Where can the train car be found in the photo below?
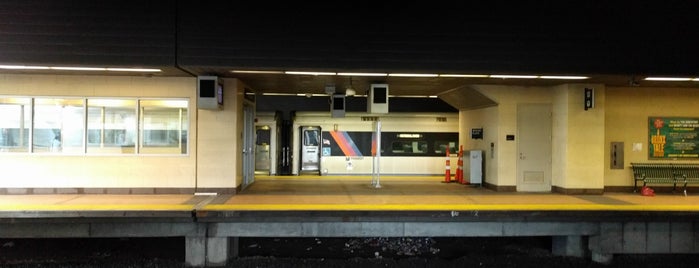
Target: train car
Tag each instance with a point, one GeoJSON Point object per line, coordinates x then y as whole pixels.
{"type": "Point", "coordinates": [411, 143]}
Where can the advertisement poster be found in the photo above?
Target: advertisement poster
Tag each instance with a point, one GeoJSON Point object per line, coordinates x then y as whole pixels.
{"type": "Point", "coordinates": [673, 137]}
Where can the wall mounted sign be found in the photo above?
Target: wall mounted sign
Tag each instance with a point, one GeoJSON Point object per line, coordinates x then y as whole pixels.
{"type": "Point", "coordinates": [673, 137]}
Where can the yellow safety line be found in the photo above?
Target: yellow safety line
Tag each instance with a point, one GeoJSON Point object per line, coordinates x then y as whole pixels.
{"type": "Point", "coordinates": [96, 207]}
{"type": "Point", "coordinates": [449, 207]}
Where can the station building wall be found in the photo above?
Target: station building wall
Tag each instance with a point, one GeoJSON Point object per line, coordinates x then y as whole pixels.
{"type": "Point", "coordinates": [577, 135]}
{"type": "Point", "coordinates": [626, 120]}
{"type": "Point", "coordinates": [210, 163]}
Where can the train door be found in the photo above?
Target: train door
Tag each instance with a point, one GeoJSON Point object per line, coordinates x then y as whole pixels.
{"type": "Point", "coordinates": [263, 141]}
{"type": "Point", "coordinates": [310, 148]}
{"type": "Point", "coordinates": [534, 148]}
{"type": "Point", "coordinates": [248, 144]}
{"type": "Point", "coordinates": [284, 154]}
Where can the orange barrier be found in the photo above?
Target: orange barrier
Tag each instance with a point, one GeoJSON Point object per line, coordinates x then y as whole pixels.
{"type": "Point", "coordinates": [447, 173]}
{"type": "Point", "coordinates": [460, 166]}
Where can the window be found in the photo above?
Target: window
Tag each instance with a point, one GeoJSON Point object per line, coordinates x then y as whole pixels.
{"type": "Point", "coordinates": [58, 125]}
{"type": "Point", "coordinates": [440, 147]}
{"type": "Point", "coordinates": [93, 126]}
{"type": "Point", "coordinates": [15, 121]}
{"type": "Point", "coordinates": [409, 147]}
{"type": "Point", "coordinates": [164, 126]}
{"type": "Point", "coordinates": [111, 126]}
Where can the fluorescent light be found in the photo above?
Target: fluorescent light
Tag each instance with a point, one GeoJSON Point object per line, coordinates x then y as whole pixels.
{"type": "Point", "coordinates": [464, 75]}
{"type": "Point", "coordinates": [695, 79]}
{"type": "Point", "coordinates": [568, 77]}
{"type": "Point", "coordinates": [668, 79]}
{"type": "Point", "coordinates": [363, 74]}
{"type": "Point", "coordinates": [513, 76]}
{"type": "Point", "coordinates": [256, 72]}
{"type": "Point", "coordinates": [78, 68]}
{"type": "Point", "coordinates": [309, 73]}
{"type": "Point", "coordinates": [22, 67]}
{"type": "Point", "coordinates": [409, 135]}
{"type": "Point", "coordinates": [413, 75]}
{"type": "Point", "coordinates": [143, 70]}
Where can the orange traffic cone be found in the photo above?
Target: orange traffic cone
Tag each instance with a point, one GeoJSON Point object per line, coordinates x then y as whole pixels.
{"type": "Point", "coordinates": [447, 173]}
{"type": "Point", "coordinates": [460, 166]}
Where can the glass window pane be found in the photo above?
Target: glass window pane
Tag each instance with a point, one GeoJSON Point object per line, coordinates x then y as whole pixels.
{"type": "Point", "coordinates": [440, 147]}
{"type": "Point", "coordinates": [409, 147]}
{"type": "Point", "coordinates": [15, 120]}
{"type": "Point", "coordinates": [58, 125]}
{"type": "Point", "coordinates": [111, 126]}
{"type": "Point", "coordinates": [165, 125]}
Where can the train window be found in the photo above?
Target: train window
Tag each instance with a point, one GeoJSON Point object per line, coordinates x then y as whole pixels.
{"type": "Point", "coordinates": [111, 126]}
{"type": "Point", "coordinates": [311, 137]}
{"type": "Point", "coordinates": [164, 126]}
{"type": "Point", "coordinates": [58, 125]}
{"type": "Point", "coordinates": [409, 147]}
{"type": "Point", "coordinates": [15, 120]}
{"type": "Point", "coordinates": [440, 147]}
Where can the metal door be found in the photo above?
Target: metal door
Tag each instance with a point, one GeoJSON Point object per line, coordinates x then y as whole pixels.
{"type": "Point", "coordinates": [534, 148]}
{"type": "Point", "coordinates": [248, 144]}
{"type": "Point", "coordinates": [310, 149]}
{"type": "Point", "coordinates": [263, 140]}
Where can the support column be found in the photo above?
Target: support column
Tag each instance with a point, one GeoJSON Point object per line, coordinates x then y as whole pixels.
{"type": "Point", "coordinates": [571, 246]}
{"type": "Point", "coordinates": [602, 258]}
{"type": "Point", "coordinates": [195, 251]}
{"type": "Point", "coordinates": [217, 249]}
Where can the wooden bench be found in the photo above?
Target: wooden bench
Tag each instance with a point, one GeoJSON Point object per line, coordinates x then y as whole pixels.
{"type": "Point", "coordinates": [665, 173]}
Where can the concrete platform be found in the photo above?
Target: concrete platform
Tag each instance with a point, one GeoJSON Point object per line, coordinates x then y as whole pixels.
{"type": "Point", "coordinates": [581, 225]}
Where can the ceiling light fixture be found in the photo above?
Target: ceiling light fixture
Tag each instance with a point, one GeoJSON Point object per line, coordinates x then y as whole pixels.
{"type": "Point", "coordinates": [309, 73]}
{"type": "Point", "coordinates": [567, 77]}
{"type": "Point", "coordinates": [675, 79]}
{"type": "Point", "coordinates": [142, 70]}
{"type": "Point", "coordinates": [464, 75]}
{"type": "Point", "coordinates": [412, 75]}
{"type": "Point", "coordinates": [22, 67]}
{"type": "Point", "coordinates": [513, 76]}
{"type": "Point", "coordinates": [256, 72]}
{"type": "Point", "coordinates": [362, 74]}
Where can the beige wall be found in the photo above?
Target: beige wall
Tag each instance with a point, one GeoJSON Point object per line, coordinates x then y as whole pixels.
{"type": "Point", "coordinates": [24, 170]}
{"type": "Point", "coordinates": [577, 157]}
{"type": "Point", "coordinates": [626, 120]}
{"type": "Point", "coordinates": [577, 135]}
{"type": "Point", "coordinates": [507, 97]}
{"type": "Point", "coordinates": [486, 118]}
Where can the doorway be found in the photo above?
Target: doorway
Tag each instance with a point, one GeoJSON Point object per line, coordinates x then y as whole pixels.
{"type": "Point", "coordinates": [248, 144]}
{"type": "Point", "coordinates": [534, 148]}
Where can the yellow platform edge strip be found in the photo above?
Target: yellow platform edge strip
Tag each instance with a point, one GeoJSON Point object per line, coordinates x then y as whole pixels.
{"type": "Point", "coordinates": [96, 207]}
{"type": "Point", "coordinates": [439, 207]}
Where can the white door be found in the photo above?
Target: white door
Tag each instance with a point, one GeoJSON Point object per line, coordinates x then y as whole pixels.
{"type": "Point", "coordinates": [534, 148]}
{"type": "Point", "coordinates": [248, 144]}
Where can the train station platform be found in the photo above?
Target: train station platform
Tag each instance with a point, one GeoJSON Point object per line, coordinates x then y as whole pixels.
{"type": "Point", "coordinates": [324, 206]}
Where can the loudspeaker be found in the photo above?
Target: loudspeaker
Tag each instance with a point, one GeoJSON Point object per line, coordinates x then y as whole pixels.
{"type": "Point", "coordinates": [209, 93]}
{"type": "Point", "coordinates": [337, 105]}
{"type": "Point", "coordinates": [377, 99]}
{"type": "Point", "coordinates": [589, 98]}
